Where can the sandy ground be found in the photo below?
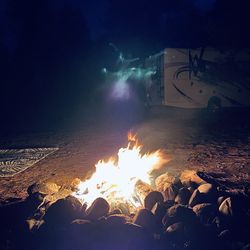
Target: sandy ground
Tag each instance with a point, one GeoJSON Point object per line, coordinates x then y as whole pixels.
{"type": "Point", "coordinates": [192, 141]}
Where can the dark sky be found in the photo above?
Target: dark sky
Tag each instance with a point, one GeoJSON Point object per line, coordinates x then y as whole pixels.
{"type": "Point", "coordinates": [52, 50]}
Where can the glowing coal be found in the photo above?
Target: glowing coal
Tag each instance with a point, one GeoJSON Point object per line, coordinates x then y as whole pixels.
{"type": "Point", "coordinates": [116, 179]}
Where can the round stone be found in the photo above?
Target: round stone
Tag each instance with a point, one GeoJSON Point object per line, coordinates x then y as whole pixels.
{"type": "Point", "coordinates": [100, 207]}
{"type": "Point", "coordinates": [152, 198]}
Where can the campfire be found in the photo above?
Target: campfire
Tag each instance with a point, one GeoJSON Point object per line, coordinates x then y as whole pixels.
{"type": "Point", "coordinates": [129, 202]}
{"type": "Point", "coordinates": [125, 179]}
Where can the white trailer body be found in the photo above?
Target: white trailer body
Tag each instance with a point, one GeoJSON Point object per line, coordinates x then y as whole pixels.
{"type": "Point", "coordinates": [193, 78]}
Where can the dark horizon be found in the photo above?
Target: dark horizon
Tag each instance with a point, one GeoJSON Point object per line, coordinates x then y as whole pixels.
{"type": "Point", "coordinates": [52, 52]}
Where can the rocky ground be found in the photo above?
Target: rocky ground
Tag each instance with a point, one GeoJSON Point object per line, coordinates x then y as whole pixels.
{"type": "Point", "coordinates": [191, 139]}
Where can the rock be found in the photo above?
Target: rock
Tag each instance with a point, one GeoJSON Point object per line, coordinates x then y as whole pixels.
{"type": "Point", "coordinates": [183, 196]}
{"type": "Point", "coordinates": [205, 193]}
{"type": "Point", "coordinates": [182, 235]}
{"type": "Point", "coordinates": [116, 211]}
{"type": "Point", "coordinates": [75, 184]}
{"type": "Point", "coordinates": [191, 189]}
{"type": "Point", "coordinates": [206, 212]}
{"type": "Point", "coordinates": [168, 203]}
{"type": "Point", "coordinates": [234, 215]}
{"type": "Point", "coordinates": [177, 183]}
{"type": "Point", "coordinates": [225, 235]}
{"type": "Point", "coordinates": [178, 226]}
{"type": "Point", "coordinates": [116, 219]}
{"type": "Point", "coordinates": [178, 213]}
{"type": "Point", "coordinates": [220, 200]}
{"type": "Point", "coordinates": [63, 212]}
{"type": "Point", "coordinates": [146, 219]}
{"type": "Point", "coordinates": [176, 233]}
{"type": "Point", "coordinates": [98, 208]}
{"type": "Point", "coordinates": [34, 225]}
{"type": "Point", "coordinates": [36, 199]}
{"type": "Point", "coordinates": [159, 210]}
{"type": "Point", "coordinates": [170, 192]}
{"type": "Point", "coordinates": [226, 208]}
{"type": "Point", "coordinates": [196, 198]}
{"type": "Point", "coordinates": [163, 181]}
{"type": "Point", "coordinates": [13, 216]}
{"type": "Point", "coordinates": [226, 238]}
{"type": "Point", "coordinates": [207, 188]}
{"type": "Point", "coordinates": [136, 238]}
{"type": "Point", "coordinates": [152, 198]}
{"type": "Point", "coordinates": [47, 188]}
{"type": "Point", "coordinates": [81, 222]}
{"type": "Point", "coordinates": [81, 233]}
{"type": "Point", "coordinates": [123, 208]}
{"type": "Point", "coordinates": [188, 177]}
{"type": "Point", "coordinates": [142, 189]}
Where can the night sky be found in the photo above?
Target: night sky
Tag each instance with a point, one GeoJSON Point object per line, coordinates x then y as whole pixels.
{"type": "Point", "coordinates": [52, 51]}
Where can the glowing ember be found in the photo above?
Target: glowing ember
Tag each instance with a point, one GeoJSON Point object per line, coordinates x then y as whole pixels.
{"type": "Point", "coordinates": [115, 180]}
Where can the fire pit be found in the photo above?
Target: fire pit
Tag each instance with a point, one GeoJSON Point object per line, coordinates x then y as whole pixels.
{"type": "Point", "coordinates": [129, 203]}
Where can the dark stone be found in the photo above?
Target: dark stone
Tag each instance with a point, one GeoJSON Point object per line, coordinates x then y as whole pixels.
{"type": "Point", "coordinates": [159, 210]}
{"type": "Point", "coordinates": [206, 212]}
{"type": "Point", "coordinates": [98, 208]}
{"type": "Point", "coordinates": [177, 182]}
{"type": "Point", "coordinates": [183, 196]}
{"type": "Point", "coordinates": [33, 224]}
{"type": "Point", "coordinates": [207, 188]}
{"type": "Point", "coordinates": [146, 219]}
{"type": "Point", "coordinates": [152, 198]}
{"type": "Point", "coordinates": [170, 192]}
{"type": "Point", "coordinates": [220, 200]}
{"type": "Point", "coordinates": [234, 215]}
{"type": "Point", "coordinates": [178, 213]}
{"type": "Point", "coordinates": [175, 233]}
{"type": "Point", "coordinates": [226, 238]}
{"type": "Point", "coordinates": [205, 193]}
{"type": "Point", "coordinates": [226, 208]}
{"type": "Point", "coordinates": [13, 216]}
{"type": "Point", "coordinates": [196, 198]}
{"type": "Point", "coordinates": [81, 222]}
{"type": "Point", "coordinates": [137, 238]}
{"type": "Point", "coordinates": [225, 235]}
{"type": "Point", "coordinates": [48, 188]}
{"type": "Point", "coordinates": [190, 178]}
{"type": "Point", "coordinates": [116, 211]}
{"type": "Point", "coordinates": [116, 219]}
{"type": "Point", "coordinates": [184, 235]}
{"type": "Point", "coordinates": [63, 212]}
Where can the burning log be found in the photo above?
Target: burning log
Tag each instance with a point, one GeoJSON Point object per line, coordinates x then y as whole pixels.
{"type": "Point", "coordinates": [142, 189]}
{"type": "Point", "coordinates": [163, 181]}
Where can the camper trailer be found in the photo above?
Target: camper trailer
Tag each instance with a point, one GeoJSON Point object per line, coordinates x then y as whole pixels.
{"type": "Point", "coordinates": [199, 78]}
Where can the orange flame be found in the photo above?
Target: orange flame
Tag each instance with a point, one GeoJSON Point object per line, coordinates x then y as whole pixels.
{"type": "Point", "coordinates": [115, 179]}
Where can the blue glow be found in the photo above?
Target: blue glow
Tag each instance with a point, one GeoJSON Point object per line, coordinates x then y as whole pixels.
{"type": "Point", "coordinates": [120, 90]}
{"type": "Point", "coordinates": [127, 76]}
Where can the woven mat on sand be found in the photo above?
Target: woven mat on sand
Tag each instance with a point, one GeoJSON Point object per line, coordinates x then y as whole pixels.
{"type": "Point", "coordinates": [14, 161]}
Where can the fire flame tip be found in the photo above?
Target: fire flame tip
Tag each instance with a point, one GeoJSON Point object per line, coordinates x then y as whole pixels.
{"type": "Point", "coordinates": [131, 136]}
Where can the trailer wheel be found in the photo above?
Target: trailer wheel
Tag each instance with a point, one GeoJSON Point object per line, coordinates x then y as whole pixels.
{"type": "Point", "coordinates": [214, 105]}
